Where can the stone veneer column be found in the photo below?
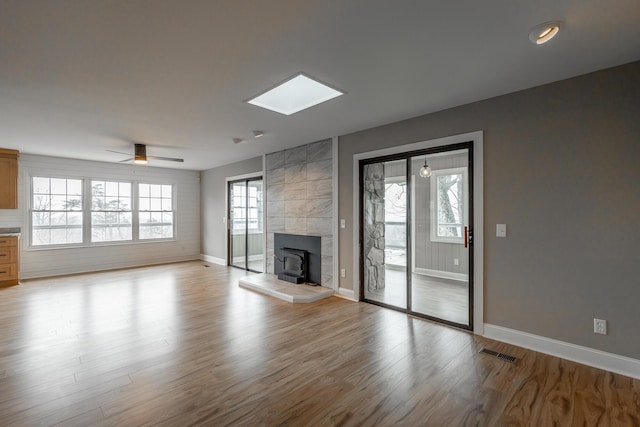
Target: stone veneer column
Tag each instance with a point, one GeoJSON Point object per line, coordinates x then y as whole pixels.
{"type": "Point", "coordinates": [373, 229]}
{"type": "Point", "coordinates": [299, 188]}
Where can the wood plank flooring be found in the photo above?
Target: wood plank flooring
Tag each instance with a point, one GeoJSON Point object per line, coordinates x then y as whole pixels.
{"type": "Point", "coordinates": [182, 345]}
{"type": "Point", "coordinates": [441, 298]}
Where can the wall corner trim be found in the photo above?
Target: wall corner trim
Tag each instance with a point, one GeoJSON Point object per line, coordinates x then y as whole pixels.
{"type": "Point", "coordinates": [212, 259]}
{"type": "Point", "coordinates": [576, 353]}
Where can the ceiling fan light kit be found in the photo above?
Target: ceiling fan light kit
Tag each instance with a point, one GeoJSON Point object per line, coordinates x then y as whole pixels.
{"type": "Point", "coordinates": [140, 154]}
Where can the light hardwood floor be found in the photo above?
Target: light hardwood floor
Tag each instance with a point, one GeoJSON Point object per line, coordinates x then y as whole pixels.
{"type": "Point", "coordinates": [442, 298]}
{"type": "Point", "coordinates": [182, 344]}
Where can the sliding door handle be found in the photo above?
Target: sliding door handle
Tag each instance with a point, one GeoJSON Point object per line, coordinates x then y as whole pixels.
{"type": "Point", "coordinates": [466, 236]}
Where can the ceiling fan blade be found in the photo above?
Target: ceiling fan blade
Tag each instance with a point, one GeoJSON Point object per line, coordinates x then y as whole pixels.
{"type": "Point", "coordinates": [168, 159]}
{"type": "Point", "coordinates": [119, 152]}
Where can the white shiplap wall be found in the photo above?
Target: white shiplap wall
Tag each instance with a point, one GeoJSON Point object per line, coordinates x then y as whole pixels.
{"type": "Point", "coordinates": [51, 262]}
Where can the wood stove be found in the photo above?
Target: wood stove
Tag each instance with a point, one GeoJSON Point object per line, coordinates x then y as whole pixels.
{"type": "Point", "coordinates": [296, 266]}
{"type": "Point", "coordinates": [297, 258]}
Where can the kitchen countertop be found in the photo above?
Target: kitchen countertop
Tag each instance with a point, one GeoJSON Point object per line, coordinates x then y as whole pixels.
{"type": "Point", "coordinates": [8, 232]}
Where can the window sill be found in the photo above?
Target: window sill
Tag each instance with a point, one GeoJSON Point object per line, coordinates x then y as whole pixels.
{"type": "Point", "coordinates": [96, 245]}
{"type": "Point", "coordinates": [452, 242]}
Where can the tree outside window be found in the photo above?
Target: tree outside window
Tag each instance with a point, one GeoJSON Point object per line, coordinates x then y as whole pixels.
{"type": "Point", "coordinates": [60, 215]}
{"type": "Point", "coordinates": [448, 215]}
{"type": "Point", "coordinates": [56, 211]}
{"type": "Point", "coordinates": [110, 211]}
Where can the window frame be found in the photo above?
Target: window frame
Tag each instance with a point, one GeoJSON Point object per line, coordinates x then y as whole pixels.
{"type": "Point", "coordinates": [434, 204]}
{"type": "Point", "coordinates": [245, 222]}
{"type": "Point", "coordinates": [138, 211]}
{"type": "Point", "coordinates": [86, 211]}
{"type": "Point", "coordinates": [105, 211]}
{"type": "Point", "coordinates": [31, 211]}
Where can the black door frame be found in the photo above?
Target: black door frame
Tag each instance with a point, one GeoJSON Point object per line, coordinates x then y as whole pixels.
{"type": "Point", "coordinates": [407, 156]}
{"type": "Point", "coordinates": [246, 228]}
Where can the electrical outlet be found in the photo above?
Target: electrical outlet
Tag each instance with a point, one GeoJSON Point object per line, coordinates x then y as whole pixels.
{"type": "Point", "coordinates": [599, 326]}
{"type": "Point", "coordinates": [343, 223]}
{"type": "Point", "coordinates": [343, 272]}
{"type": "Point", "coordinates": [456, 261]}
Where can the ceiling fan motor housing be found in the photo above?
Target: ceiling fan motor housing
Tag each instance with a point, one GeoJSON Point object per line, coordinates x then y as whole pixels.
{"type": "Point", "coordinates": [140, 153]}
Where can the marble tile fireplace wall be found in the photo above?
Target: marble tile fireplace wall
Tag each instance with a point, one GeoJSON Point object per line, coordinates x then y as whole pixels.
{"type": "Point", "coordinates": [299, 183]}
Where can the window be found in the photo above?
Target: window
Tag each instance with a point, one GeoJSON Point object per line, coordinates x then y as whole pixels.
{"type": "Point", "coordinates": [110, 211]}
{"type": "Point", "coordinates": [155, 206]}
{"type": "Point", "coordinates": [448, 200]}
{"type": "Point", "coordinates": [395, 213]}
{"type": "Point", "coordinates": [56, 211]}
{"type": "Point", "coordinates": [252, 203]}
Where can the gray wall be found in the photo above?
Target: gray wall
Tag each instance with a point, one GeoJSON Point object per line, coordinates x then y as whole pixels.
{"type": "Point", "coordinates": [561, 169]}
{"type": "Point", "coordinates": [299, 187]}
{"type": "Point", "coordinates": [213, 187]}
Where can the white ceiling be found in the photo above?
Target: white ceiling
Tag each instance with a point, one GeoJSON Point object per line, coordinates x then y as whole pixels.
{"type": "Point", "coordinates": [78, 77]}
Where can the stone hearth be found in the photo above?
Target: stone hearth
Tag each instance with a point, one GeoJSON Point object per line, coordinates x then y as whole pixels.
{"type": "Point", "coordinates": [269, 284]}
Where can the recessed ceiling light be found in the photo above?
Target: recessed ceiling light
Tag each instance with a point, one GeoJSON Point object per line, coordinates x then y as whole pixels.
{"type": "Point", "coordinates": [237, 140]}
{"type": "Point", "coordinates": [544, 32]}
{"type": "Point", "coordinates": [295, 94]}
{"type": "Point", "coordinates": [258, 133]}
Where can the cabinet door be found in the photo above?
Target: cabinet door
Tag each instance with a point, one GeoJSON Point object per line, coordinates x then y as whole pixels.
{"type": "Point", "coordinates": [8, 183]}
{"type": "Point", "coordinates": [8, 274]}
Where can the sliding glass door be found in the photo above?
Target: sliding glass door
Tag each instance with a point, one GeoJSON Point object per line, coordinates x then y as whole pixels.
{"type": "Point", "coordinates": [416, 233]}
{"type": "Point", "coordinates": [245, 225]}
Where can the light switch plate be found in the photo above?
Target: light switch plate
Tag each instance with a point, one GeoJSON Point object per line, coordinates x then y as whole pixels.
{"type": "Point", "coordinates": [501, 230]}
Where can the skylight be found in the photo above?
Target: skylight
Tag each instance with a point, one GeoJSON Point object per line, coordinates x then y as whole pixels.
{"type": "Point", "coordinates": [295, 94]}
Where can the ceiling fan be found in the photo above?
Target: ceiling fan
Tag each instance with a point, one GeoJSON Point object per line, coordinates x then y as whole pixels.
{"type": "Point", "coordinates": [140, 156]}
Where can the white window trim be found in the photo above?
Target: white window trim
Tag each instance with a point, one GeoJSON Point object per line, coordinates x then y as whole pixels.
{"type": "Point", "coordinates": [259, 222]}
{"type": "Point", "coordinates": [433, 203]}
{"type": "Point", "coordinates": [31, 210]}
{"type": "Point", "coordinates": [86, 212]}
{"type": "Point", "coordinates": [136, 221]}
{"type": "Point", "coordinates": [131, 210]}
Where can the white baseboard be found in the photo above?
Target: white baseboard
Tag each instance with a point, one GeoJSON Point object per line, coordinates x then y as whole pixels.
{"type": "Point", "coordinates": [576, 353]}
{"type": "Point", "coordinates": [346, 294]}
{"type": "Point", "coordinates": [212, 259]}
{"type": "Point", "coordinates": [97, 268]}
{"type": "Point", "coordinates": [442, 274]}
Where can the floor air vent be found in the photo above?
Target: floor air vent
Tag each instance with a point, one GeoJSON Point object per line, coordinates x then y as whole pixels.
{"type": "Point", "coordinates": [502, 356]}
